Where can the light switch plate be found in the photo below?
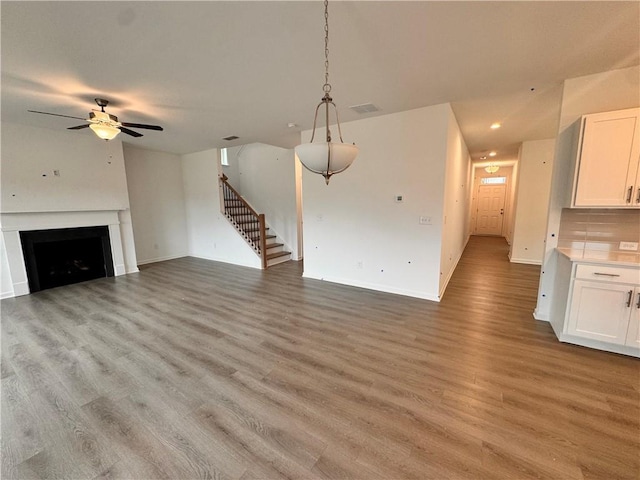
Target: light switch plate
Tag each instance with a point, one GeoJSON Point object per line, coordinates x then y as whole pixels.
{"type": "Point", "coordinates": [629, 246]}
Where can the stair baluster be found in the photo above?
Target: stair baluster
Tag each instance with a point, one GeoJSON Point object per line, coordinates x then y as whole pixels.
{"type": "Point", "coordinates": [249, 223]}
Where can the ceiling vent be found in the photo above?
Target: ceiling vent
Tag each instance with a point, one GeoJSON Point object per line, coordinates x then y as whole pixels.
{"type": "Point", "coordinates": [230, 137]}
{"type": "Point", "coordinates": [364, 108]}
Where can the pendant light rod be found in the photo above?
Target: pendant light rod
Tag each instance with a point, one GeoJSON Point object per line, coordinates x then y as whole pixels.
{"type": "Point", "coordinates": [327, 86]}
{"type": "Point", "coordinates": [327, 158]}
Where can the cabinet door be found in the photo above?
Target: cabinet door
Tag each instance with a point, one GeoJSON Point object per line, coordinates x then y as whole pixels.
{"type": "Point", "coordinates": [608, 160]}
{"type": "Point", "coordinates": [600, 311]}
{"type": "Point", "coordinates": [633, 334]}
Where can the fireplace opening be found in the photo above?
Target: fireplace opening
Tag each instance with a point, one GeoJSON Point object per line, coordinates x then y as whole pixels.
{"type": "Point", "coordinates": [58, 257]}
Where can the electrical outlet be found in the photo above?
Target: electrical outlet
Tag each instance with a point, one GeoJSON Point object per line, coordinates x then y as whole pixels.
{"type": "Point", "coordinates": [424, 220]}
{"type": "Point", "coordinates": [629, 246]}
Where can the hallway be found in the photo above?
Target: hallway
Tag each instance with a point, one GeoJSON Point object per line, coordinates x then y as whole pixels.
{"type": "Point", "coordinates": [198, 369]}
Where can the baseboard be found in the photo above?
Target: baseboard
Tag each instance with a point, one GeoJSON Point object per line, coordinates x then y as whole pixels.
{"type": "Point", "coordinates": [21, 288]}
{"type": "Point", "coordinates": [376, 287]}
{"type": "Point", "coordinates": [161, 259]}
{"type": "Point", "coordinates": [222, 260]}
{"type": "Point", "coordinates": [544, 317]}
{"type": "Point", "coordinates": [525, 261]}
{"type": "Point", "coordinates": [8, 294]}
{"type": "Point", "coordinates": [596, 344]}
{"type": "Point", "coordinates": [450, 274]}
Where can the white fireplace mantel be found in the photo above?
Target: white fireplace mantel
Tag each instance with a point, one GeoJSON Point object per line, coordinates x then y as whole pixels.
{"type": "Point", "coordinates": [15, 282]}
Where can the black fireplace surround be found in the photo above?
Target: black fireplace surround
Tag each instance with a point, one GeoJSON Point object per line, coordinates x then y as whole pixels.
{"type": "Point", "coordinates": [66, 255]}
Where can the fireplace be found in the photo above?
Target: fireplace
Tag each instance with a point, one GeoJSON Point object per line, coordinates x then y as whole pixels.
{"type": "Point", "coordinates": [63, 256]}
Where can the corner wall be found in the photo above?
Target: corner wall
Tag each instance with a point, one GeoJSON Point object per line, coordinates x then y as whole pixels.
{"type": "Point", "coordinates": [534, 168]}
{"type": "Point", "coordinates": [156, 194]}
{"type": "Point", "coordinates": [455, 228]}
{"type": "Point", "coordinates": [355, 232]}
{"type": "Point", "coordinates": [209, 233]}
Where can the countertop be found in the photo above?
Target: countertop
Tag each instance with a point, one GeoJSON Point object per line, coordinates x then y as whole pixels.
{"type": "Point", "coordinates": [628, 259]}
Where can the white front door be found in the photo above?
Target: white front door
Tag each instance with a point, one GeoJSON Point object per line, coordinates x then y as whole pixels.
{"type": "Point", "coordinates": [490, 209]}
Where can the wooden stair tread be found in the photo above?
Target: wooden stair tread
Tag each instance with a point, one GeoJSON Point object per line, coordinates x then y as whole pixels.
{"type": "Point", "coordinates": [276, 255]}
{"type": "Point", "coordinates": [274, 245]}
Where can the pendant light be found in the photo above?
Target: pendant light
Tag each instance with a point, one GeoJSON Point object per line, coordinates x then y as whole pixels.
{"type": "Point", "coordinates": [491, 168]}
{"type": "Point", "coordinates": [326, 158]}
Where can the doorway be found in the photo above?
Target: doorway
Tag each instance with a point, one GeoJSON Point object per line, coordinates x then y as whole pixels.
{"type": "Point", "coordinates": [490, 213]}
{"type": "Point", "coordinates": [493, 215]}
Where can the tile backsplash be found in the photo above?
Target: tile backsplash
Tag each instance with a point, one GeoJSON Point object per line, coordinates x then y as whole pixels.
{"type": "Point", "coordinates": [598, 229]}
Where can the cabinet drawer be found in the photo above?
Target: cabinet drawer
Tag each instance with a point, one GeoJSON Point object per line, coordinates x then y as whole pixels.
{"type": "Point", "coordinates": [607, 273]}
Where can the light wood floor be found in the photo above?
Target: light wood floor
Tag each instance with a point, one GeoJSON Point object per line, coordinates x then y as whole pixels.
{"type": "Point", "coordinates": [196, 369]}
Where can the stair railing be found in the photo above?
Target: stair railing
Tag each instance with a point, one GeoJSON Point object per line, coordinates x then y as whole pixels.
{"type": "Point", "coordinates": [249, 223]}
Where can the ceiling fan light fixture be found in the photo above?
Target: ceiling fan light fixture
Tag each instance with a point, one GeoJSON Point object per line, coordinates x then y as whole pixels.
{"type": "Point", "coordinates": [105, 132]}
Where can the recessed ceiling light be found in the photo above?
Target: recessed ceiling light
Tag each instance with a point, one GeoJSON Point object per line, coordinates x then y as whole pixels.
{"type": "Point", "coordinates": [492, 154]}
{"type": "Point", "coordinates": [292, 125]}
{"type": "Point", "coordinates": [483, 157]}
{"type": "Point", "coordinates": [495, 126]}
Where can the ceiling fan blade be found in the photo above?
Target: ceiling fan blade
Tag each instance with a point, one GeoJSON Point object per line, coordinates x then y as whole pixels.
{"type": "Point", "coordinates": [79, 127]}
{"type": "Point", "coordinates": [130, 132]}
{"type": "Point", "coordinates": [56, 114]}
{"type": "Point", "coordinates": [142, 125]}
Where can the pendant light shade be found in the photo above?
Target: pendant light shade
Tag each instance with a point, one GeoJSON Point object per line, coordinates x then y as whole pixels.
{"type": "Point", "coordinates": [105, 132]}
{"type": "Point", "coordinates": [326, 158]}
{"type": "Point", "coordinates": [491, 168]}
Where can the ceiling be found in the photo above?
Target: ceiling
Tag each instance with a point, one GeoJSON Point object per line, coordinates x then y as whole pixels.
{"type": "Point", "coordinates": [207, 70]}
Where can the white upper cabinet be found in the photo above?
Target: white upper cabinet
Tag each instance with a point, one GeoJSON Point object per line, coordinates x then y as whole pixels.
{"type": "Point", "coordinates": [607, 165]}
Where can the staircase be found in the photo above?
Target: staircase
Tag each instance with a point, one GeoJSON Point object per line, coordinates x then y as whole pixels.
{"type": "Point", "coordinates": [252, 227]}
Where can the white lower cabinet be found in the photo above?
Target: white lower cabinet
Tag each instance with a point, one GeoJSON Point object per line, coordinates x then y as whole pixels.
{"type": "Point", "coordinates": [601, 311]}
{"type": "Point", "coordinates": [633, 333]}
{"type": "Point", "coordinates": [597, 306]}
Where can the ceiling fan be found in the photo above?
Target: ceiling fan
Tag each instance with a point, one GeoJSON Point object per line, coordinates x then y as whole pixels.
{"type": "Point", "coordinates": [105, 125]}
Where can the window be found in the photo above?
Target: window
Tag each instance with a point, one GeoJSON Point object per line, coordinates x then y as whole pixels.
{"type": "Point", "coordinates": [493, 180]}
{"type": "Point", "coordinates": [224, 159]}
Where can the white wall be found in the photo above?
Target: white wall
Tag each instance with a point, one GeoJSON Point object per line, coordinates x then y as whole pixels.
{"type": "Point", "coordinates": [535, 168]}
{"type": "Point", "coordinates": [354, 231]}
{"type": "Point", "coordinates": [511, 203]}
{"type": "Point", "coordinates": [156, 194]}
{"type": "Point", "coordinates": [457, 188]}
{"type": "Point", "coordinates": [209, 233]}
{"type": "Point", "coordinates": [267, 181]}
{"type": "Point", "coordinates": [92, 173]}
{"type": "Point", "coordinates": [601, 92]}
